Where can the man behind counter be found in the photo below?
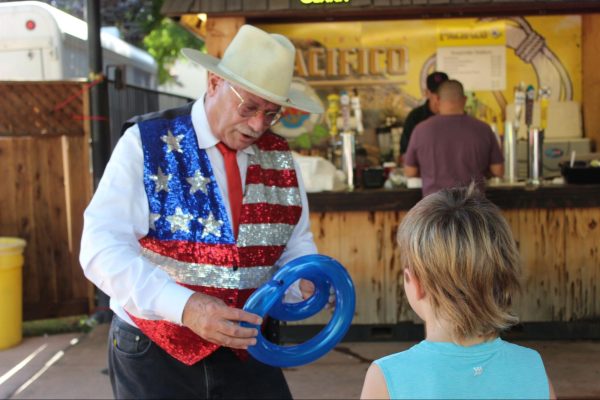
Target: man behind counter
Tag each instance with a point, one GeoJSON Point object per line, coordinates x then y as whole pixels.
{"type": "Point", "coordinates": [452, 148]}
{"type": "Point", "coordinates": [424, 111]}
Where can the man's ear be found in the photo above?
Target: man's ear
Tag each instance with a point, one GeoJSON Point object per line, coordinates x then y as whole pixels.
{"type": "Point", "coordinates": [213, 83]}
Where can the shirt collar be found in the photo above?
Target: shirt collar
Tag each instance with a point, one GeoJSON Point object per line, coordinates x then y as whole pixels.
{"type": "Point", "coordinates": [205, 136]}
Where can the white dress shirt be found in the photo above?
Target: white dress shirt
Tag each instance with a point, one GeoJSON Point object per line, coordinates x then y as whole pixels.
{"type": "Point", "coordinates": [118, 216]}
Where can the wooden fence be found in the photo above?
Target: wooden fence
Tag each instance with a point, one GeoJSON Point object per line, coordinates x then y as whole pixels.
{"type": "Point", "coordinates": [45, 185]}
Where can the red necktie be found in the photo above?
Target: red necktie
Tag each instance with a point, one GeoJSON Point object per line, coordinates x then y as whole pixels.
{"type": "Point", "coordinates": [234, 184]}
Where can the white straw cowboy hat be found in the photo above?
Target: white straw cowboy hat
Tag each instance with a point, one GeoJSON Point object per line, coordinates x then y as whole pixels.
{"type": "Point", "coordinates": [263, 64]}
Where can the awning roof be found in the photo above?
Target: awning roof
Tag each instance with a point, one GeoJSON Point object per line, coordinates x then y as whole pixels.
{"type": "Point", "coordinates": [296, 10]}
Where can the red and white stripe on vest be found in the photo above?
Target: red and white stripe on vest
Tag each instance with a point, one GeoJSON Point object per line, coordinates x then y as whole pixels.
{"type": "Point", "coordinates": [190, 235]}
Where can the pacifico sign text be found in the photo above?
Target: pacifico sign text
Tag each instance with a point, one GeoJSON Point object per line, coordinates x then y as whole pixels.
{"type": "Point", "coordinates": [321, 62]}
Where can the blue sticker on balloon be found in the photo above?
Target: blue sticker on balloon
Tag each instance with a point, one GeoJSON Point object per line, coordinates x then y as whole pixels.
{"type": "Point", "coordinates": [324, 272]}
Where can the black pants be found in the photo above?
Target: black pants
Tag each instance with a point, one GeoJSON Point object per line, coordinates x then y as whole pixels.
{"type": "Point", "coordinates": [139, 369]}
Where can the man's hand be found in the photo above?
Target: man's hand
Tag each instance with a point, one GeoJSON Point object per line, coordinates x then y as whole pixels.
{"type": "Point", "coordinates": [307, 288]}
{"type": "Point", "coordinates": [212, 320]}
{"type": "Point", "coordinates": [410, 171]}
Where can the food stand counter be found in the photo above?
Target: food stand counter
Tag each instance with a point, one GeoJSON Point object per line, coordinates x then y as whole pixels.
{"type": "Point", "coordinates": [557, 229]}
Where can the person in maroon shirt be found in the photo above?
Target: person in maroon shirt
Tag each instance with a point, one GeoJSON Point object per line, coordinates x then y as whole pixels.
{"type": "Point", "coordinates": [452, 149]}
{"type": "Point", "coordinates": [421, 113]}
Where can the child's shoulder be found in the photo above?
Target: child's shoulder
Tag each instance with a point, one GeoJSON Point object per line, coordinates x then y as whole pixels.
{"type": "Point", "coordinates": [426, 353]}
{"type": "Point", "coordinates": [516, 350]}
{"type": "Point", "coordinates": [409, 355]}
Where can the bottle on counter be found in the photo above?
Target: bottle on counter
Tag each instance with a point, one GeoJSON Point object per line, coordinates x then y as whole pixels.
{"type": "Point", "coordinates": [348, 141]}
{"type": "Point", "coordinates": [509, 147]}
{"type": "Point", "coordinates": [334, 151]}
{"type": "Point", "coordinates": [333, 111]}
{"type": "Point", "coordinates": [384, 140]}
{"type": "Point", "coordinates": [357, 111]}
{"type": "Point", "coordinates": [544, 96]}
{"type": "Point", "coordinates": [345, 110]}
{"type": "Point", "coordinates": [519, 107]}
{"type": "Point", "coordinates": [536, 156]}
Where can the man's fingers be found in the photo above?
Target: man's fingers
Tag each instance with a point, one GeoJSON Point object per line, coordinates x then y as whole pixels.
{"type": "Point", "coordinates": [331, 300]}
{"type": "Point", "coordinates": [307, 288]}
{"type": "Point", "coordinates": [236, 314]}
{"type": "Point", "coordinates": [233, 329]}
{"type": "Point", "coordinates": [234, 342]}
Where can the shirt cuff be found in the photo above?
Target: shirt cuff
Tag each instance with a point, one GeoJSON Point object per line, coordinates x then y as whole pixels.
{"type": "Point", "coordinates": [172, 301]}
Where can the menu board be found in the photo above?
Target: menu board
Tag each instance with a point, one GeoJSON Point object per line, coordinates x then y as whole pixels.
{"type": "Point", "coordinates": [473, 53]}
{"type": "Point", "coordinates": [477, 67]}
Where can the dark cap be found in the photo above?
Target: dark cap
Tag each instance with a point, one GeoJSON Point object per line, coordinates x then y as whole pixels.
{"type": "Point", "coordinates": [435, 79]}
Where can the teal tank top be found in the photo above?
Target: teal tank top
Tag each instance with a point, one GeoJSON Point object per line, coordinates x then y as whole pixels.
{"type": "Point", "coordinates": [490, 370]}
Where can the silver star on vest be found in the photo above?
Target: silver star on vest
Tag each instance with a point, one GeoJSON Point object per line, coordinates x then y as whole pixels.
{"type": "Point", "coordinates": [198, 182]}
{"type": "Point", "coordinates": [180, 221]}
{"type": "Point", "coordinates": [162, 181]}
{"type": "Point", "coordinates": [172, 141]}
{"type": "Point", "coordinates": [153, 218]}
{"type": "Point", "coordinates": [210, 225]}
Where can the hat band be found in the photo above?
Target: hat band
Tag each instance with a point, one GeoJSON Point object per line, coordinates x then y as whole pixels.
{"type": "Point", "coordinates": [243, 81]}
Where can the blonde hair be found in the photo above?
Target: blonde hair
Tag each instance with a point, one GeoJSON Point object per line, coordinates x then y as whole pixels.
{"type": "Point", "coordinates": [461, 249]}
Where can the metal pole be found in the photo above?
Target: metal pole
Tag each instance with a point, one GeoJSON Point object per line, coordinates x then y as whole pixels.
{"type": "Point", "coordinates": [100, 123]}
{"type": "Point", "coordinates": [98, 94]}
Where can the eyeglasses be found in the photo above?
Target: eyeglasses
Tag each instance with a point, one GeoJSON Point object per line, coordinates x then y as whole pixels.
{"type": "Point", "coordinates": [248, 111]}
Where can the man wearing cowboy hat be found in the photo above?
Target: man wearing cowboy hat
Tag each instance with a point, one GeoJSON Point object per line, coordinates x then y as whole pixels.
{"type": "Point", "coordinates": [198, 206]}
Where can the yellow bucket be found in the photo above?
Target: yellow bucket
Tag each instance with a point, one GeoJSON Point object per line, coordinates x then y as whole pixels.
{"type": "Point", "coordinates": [11, 291]}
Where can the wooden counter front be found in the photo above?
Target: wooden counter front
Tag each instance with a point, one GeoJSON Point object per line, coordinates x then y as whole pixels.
{"type": "Point", "coordinates": [557, 229]}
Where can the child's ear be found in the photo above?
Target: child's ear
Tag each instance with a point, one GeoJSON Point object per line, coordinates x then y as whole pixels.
{"type": "Point", "coordinates": [409, 277]}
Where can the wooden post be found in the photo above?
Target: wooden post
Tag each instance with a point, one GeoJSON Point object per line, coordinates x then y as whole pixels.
{"type": "Point", "coordinates": [591, 79]}
{"type": "Point", "coordinates": [219, 32]}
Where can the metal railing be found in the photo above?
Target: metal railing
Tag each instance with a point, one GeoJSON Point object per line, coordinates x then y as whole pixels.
{"type": "Point", "coordinates": [128, 101]}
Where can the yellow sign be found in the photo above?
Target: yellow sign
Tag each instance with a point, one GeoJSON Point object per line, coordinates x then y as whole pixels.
{"type": "Point", "coordinates": [387, 61]}
{"type": "Point", "coordinates": [471, 34]}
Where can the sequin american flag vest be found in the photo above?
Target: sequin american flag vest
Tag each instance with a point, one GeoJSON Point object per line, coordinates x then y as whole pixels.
{"type": "Point", "coordinates": [190, 235]}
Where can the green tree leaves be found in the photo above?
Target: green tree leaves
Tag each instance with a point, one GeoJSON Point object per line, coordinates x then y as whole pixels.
{"type": "Point", "coordinates": [165, 42]}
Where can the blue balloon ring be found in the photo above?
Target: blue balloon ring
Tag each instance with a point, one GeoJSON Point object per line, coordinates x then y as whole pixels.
{"type": "Point", "coordinates": [324, 272]}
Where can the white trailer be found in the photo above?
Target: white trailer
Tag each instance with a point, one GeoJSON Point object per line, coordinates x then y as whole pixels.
{"type": "Point", "coordinates": [40, 42]}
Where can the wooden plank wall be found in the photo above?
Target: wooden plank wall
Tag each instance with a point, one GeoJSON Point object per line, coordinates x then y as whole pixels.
{"type": "Point", "coordinates": [590, 43]}
{"type": "Point", "coordinates": [45, 185]}
{"type": "Point", "coordinates": [559, 248]}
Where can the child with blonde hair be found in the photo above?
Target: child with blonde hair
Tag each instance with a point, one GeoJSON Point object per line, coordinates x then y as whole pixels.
{"type": "Point", "coordinates": [461, 272]}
